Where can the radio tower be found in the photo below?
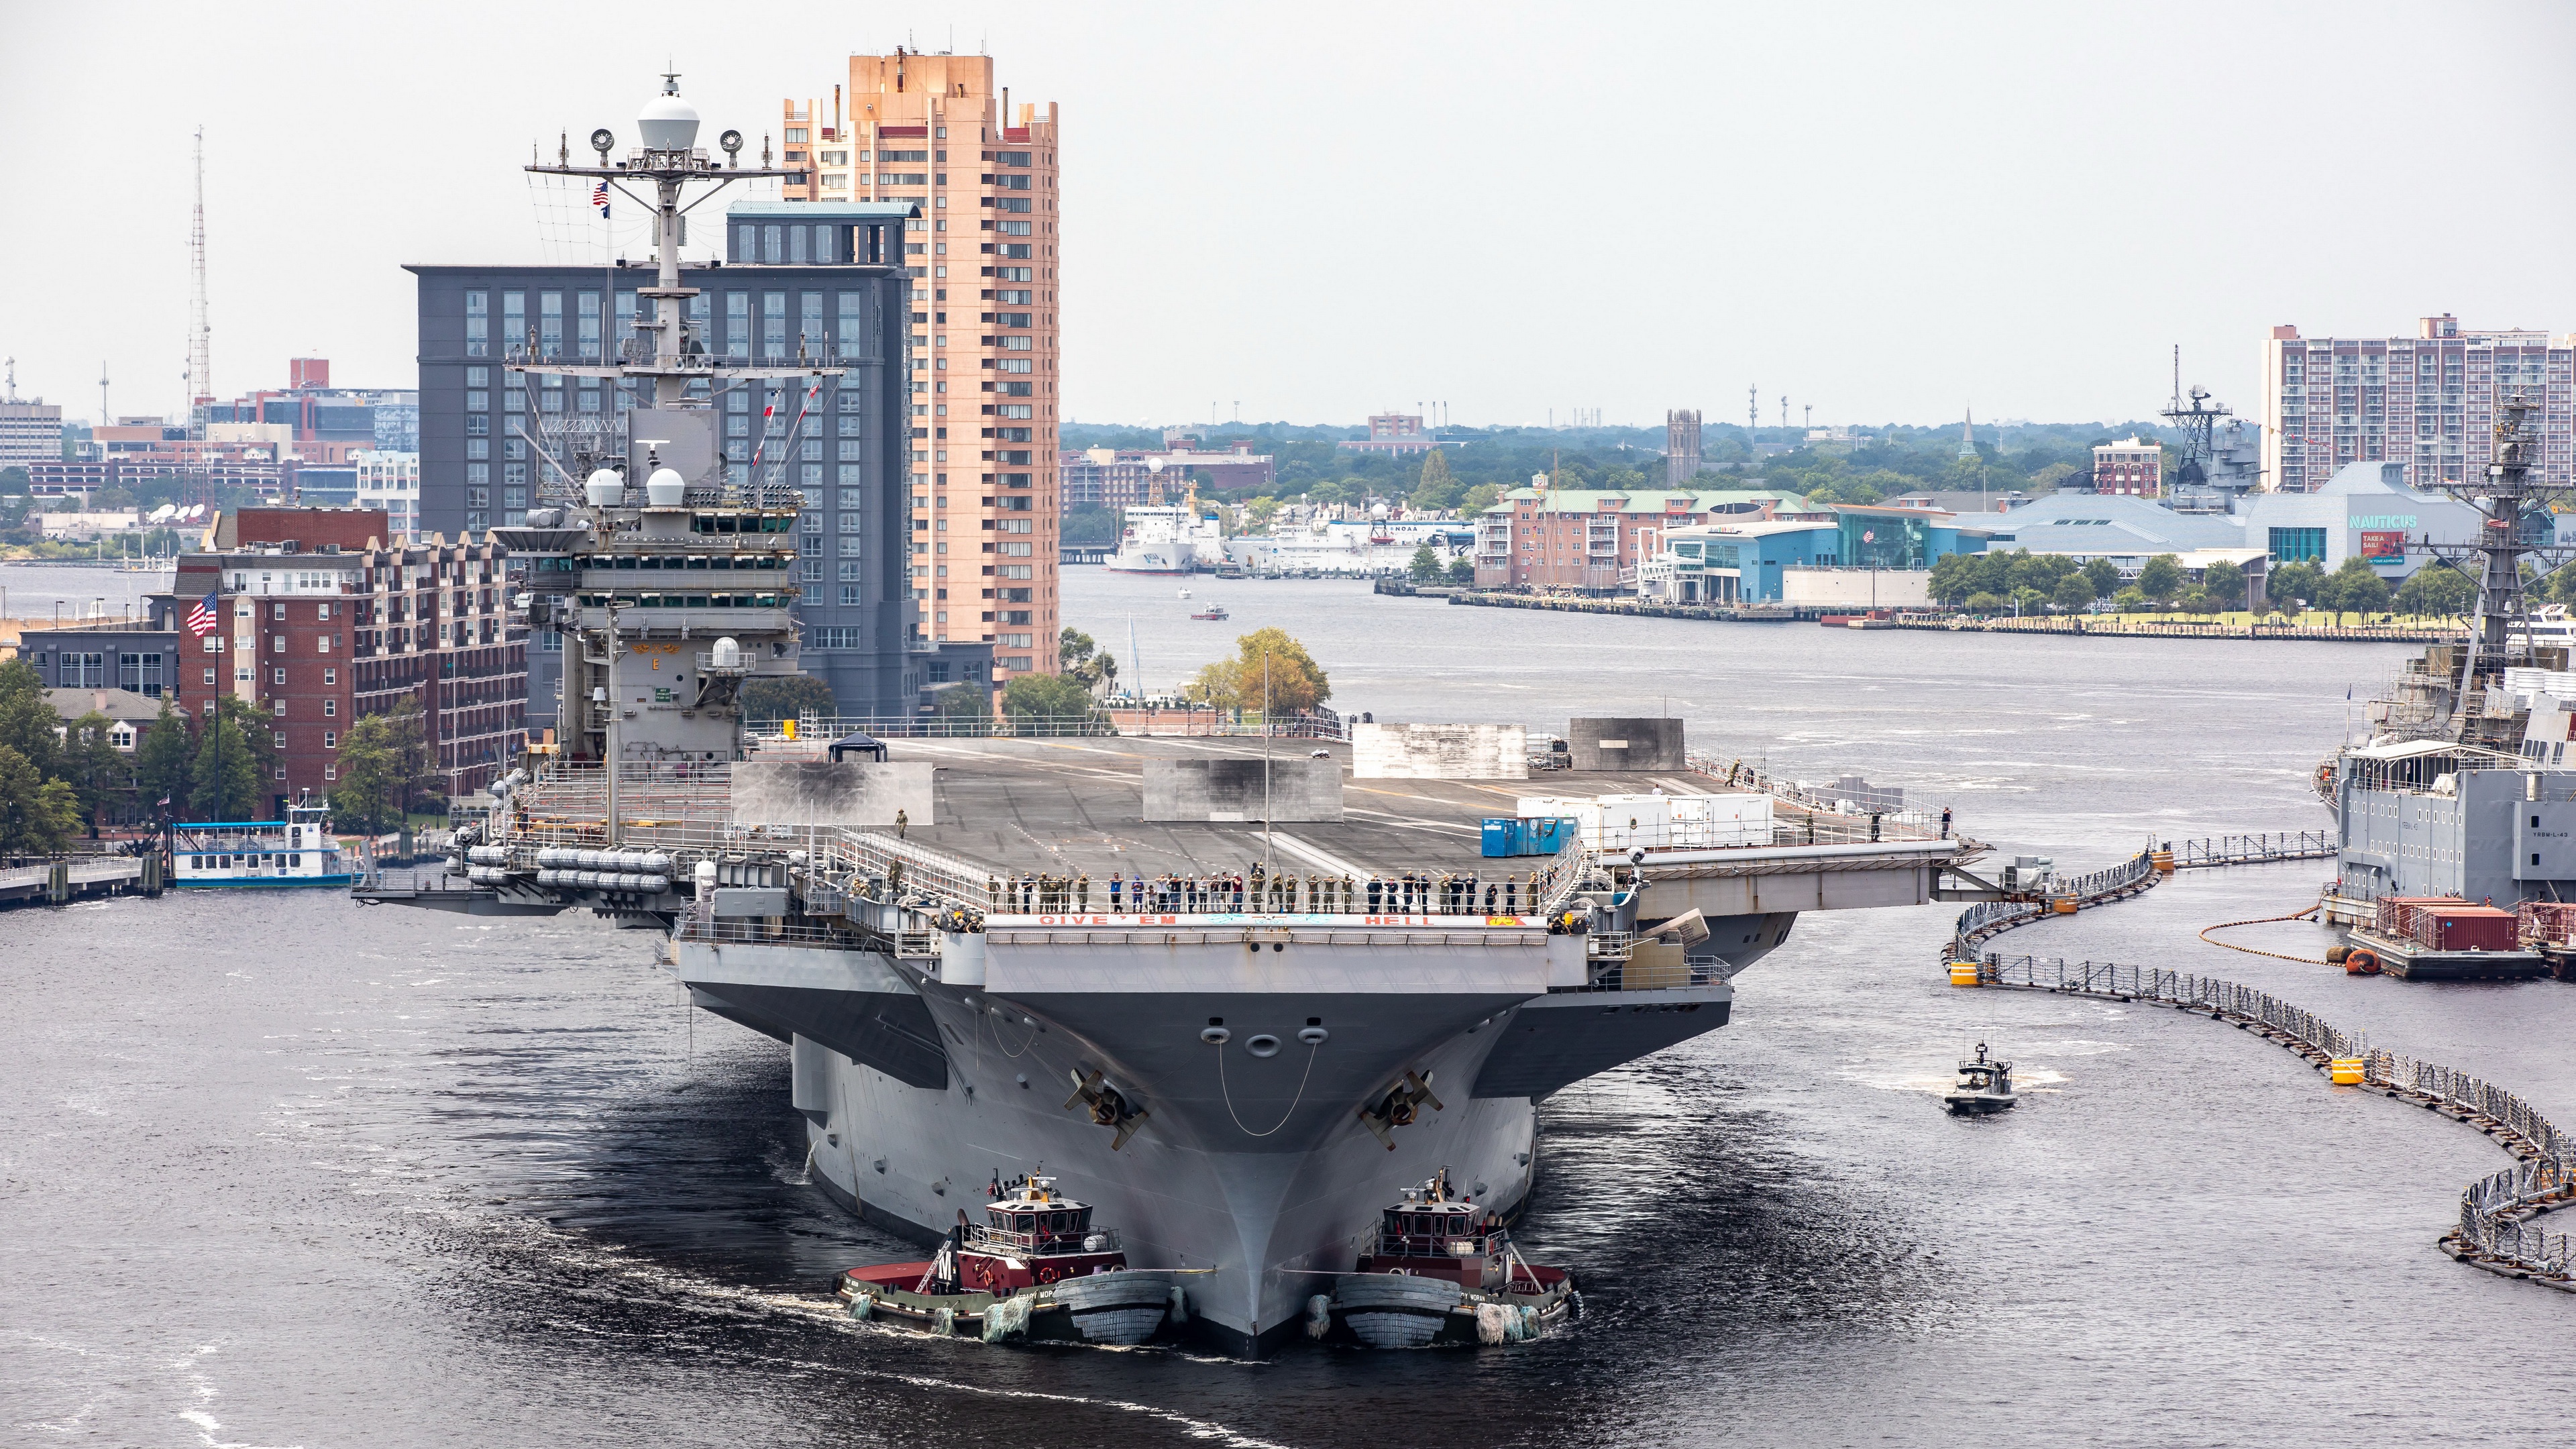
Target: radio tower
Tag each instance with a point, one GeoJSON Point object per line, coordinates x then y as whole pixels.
{"type": "Point", "coordinates": [201, 390]}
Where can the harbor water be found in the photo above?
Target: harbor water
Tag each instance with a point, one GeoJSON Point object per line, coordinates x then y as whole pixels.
{"type": "Point", "coordinates": [282, 1171]}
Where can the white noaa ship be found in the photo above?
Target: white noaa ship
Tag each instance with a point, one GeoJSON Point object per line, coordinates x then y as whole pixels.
{"type": "Point", "coordinates": [1162, 539]}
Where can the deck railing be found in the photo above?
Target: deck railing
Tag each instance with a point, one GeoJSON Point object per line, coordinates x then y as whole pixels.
{"type": "Point", "coordinates": [1838, 827]}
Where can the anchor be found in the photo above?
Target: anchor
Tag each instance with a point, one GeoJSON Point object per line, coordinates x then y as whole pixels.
{"type": "Point", "coordinates": [1108, 1106]}
{"type": "Point", "coordinates": [1398, 1107]}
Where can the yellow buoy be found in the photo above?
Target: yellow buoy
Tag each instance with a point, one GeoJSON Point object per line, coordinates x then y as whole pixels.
{"type": "Point", "coordinates": [2162, 860]}
{"type": "Point", "coordinates": [1963, 973]}
{"type": "Point", "coordinates": [787, 729]}
{"type": "Point", "coordinates": [2346, 1071]}
{"type": "Point", "coordinates": [2065, 905]}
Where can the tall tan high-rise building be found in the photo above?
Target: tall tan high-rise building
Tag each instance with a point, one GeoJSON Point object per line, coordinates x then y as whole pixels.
{"type": "Point", "coordinates": [935, 130]}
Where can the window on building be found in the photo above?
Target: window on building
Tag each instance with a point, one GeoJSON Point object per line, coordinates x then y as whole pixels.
{"type": "Point", "coordinates": [2298, 545]}
{"type": "Point", "coordinates": [773, 322]}
{"type": "Point", "coordinates": [478, 324]}
{"type": "Point", "coordinates": [738, 326]}
{"type": "Point", "coordinates": [330, 738]}
{"type": "Point", "coordinates": [772, 244]}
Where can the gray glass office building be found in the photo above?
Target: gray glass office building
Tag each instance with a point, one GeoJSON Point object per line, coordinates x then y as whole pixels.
{"type": "Point", "coordinates": [828, 286]}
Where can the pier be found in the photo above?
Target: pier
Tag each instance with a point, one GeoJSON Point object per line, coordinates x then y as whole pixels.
{"type": "Point", "coordinates": [57, 882]}
{"type": "Point", "coordinates": [2252, 849]}
{"type": "Point", "coordinates": [2059, 624]}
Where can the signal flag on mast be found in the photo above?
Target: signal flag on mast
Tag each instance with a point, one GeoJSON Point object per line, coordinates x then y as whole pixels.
{"type": "Point", "coordinates": [599, 197]}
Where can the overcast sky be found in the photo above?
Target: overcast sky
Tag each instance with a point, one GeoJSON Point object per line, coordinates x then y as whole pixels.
{"type": "Point", "coordinates": [1890, 213]}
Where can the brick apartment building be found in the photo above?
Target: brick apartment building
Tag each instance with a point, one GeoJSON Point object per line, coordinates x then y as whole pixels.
{"type": "Point", "coordinates": [1590, 541]}
{"type": "Point", "coordinates": [937, 131]}
{"type": "Point", "coordinates": [1127, 478]}
{"type": "Point", "coordinates": [2427, 401]}
{"type": "Point", "coordinates": [2134, 468]}
{"type": "Point", "coordinates": [319, 624]}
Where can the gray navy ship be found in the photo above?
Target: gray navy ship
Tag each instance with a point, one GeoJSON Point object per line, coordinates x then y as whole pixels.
{"type": "Point", "coordinates": [2462, 798]}
{"type": "Point", "coordinates": [1232, 993]}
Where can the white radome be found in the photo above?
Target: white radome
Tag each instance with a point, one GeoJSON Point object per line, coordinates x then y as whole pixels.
{"type": "Point", "coordinates": [668, 123]}
{"type": "Point", "coordinates": [665, 488]}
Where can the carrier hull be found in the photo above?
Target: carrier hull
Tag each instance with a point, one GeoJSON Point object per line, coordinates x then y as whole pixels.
{"type": "Point", "coordinates": [1255, 1177]}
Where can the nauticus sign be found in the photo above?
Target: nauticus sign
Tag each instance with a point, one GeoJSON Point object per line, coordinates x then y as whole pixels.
{"type": "Point", "coordinates": [2384, 520]}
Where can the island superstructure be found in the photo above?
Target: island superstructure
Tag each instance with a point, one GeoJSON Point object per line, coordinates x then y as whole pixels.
{"type": "Point", "coordinates": [1233, 992]}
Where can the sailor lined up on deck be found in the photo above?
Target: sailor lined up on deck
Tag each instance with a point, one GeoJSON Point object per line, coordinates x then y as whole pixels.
{"type": "Point", "coordinates": [1260, 890]}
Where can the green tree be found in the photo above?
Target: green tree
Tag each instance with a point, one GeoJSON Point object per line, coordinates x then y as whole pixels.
{"type": "Point", "coordinates": [1953, 578]}
{"type": "Point", "coordinates": [1462, 572]}
{"type": "Point", "coordinates": [1426, 564]}
{"type": "Point", "coordinates": [2029, 601]}
{"type": "Point", "coordinates": [1072, 647]}
{"type": "Point", "coordinates": [227, 775]}
{"type": "Point", "coordinates": [100, 774]}
{"type": "Point", "coordinates": [2197, 600]}
{"type": "Point", "coordinates": [777, 697]}
{"type": "Point", "coordinates": [2436, 589]}
{"type": "Point", "coordinates": [2297, 581]}
{"type": "Point", "coordinates": [963, 709]}
{"type": "Point", "coordinates": [2356, 588]}
{"type": "Point", "coordinates": [37, 816]}
{"type": "Point", "coordinates": [163, 763]}
{"type": "Point", "coordinates": [2161, 579]}
{"type": "Point", "coordinates": [369, 785]}
{"type": "Point", "coordinates": [1435, 487]}
{"type": "Point", "coordinates": [1258, 513]}
{"type": "Point", "coordinates": [27, 719]}
{"type": "Point", "coordinates": [1984, 603]}
{"type": "Point", "coordinates": [2226, 584]}
{"type": "Point", "coordinates": [2074, 592]}
{"type": "Point", "coordinates": [1047, 704]}
{"type": "Point", "coordinates": [2128, 601]}
{"type": "Point", "coordinates": [2104, 576]}
{"type": "Point", "coordinates": [1479, 498]}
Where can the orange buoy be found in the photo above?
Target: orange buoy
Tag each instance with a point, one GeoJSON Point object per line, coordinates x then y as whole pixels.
{"type": "Point", "coordinates": [2361, 963]}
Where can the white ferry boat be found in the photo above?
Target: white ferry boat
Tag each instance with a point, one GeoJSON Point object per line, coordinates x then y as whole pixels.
{"type": "Point", "coordinates": [296, 851]}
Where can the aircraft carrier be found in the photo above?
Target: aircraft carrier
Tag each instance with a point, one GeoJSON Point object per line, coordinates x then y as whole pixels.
{"type": "Point", "coordinates": [1232, 992]}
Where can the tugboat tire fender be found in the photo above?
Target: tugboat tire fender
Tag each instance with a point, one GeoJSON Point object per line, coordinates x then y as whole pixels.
{"type": "Point", "coordinates": [2362, 963]}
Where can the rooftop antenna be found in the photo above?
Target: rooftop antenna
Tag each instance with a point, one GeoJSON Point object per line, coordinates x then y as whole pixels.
{"type": "Point", "coordinates": [13, 379]}
{"type": "Point", "coordinates": [1784, 410]}
{"type": "Point", "coordinates": [104, 420]}
{"type": "Point", "coordinates": [1752, 417]}
{"type": "Point", "coordinates": [201, 386]}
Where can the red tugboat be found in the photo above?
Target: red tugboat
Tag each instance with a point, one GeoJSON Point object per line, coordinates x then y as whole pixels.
{"type": "Point", "coordinates": [1443, 1272]}
{"type": "Point", "coordinates": [1036, 1268]}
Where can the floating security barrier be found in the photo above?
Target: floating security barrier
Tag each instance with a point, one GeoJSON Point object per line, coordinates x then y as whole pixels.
{"type": "Point", "coordinates": [2346, 1071]}
{"type": "Point", "coordinates": [1963, 973]}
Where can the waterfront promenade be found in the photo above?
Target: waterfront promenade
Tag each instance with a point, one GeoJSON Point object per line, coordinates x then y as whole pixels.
{"type": "Point", "coordinates": [2314, 627]}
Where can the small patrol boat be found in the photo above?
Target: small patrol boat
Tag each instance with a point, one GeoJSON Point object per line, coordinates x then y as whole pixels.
{"type": "Point", "coordinates": [1212, 611]}
{"type": "Point", "coordinates": [1036, 1268]}
{"type": "Point", "coordinates": [1443, 1271]}
{"type": "Point", "coordinates": [1984, 1085]}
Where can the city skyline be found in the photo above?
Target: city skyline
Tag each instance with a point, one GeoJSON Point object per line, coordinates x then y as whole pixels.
{"type": "Point", "coordinates": [1816, 205]}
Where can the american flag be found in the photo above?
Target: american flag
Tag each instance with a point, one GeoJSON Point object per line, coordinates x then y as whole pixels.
{"type": "Point", "coordinates": [599, 197]}
{"type": "Point", "coordinates": [201, 619]}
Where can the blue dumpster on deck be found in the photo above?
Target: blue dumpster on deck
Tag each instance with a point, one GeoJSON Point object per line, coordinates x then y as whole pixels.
{"type": "Point", "coordinates": [1546, 837]}
{"type": "Point", "coordinates": [1502, 837]}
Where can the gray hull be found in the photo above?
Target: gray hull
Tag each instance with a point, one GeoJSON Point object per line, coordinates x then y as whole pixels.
{"type": "Point", "coordinates": [1253, 1173]}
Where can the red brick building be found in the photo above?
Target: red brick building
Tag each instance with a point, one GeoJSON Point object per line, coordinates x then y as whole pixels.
{"type": "Point", "coordinates": [1590, 540]}
{"type": "Point", "coordinates": [318, 625]}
